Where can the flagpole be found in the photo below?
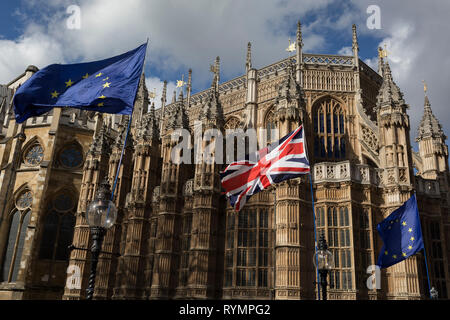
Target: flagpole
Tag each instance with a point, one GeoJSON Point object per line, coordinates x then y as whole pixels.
{"type": "Point", "coordinates": [126, 136]}
{"type": "Point", "coordinates": [424, 250]}
{"type": "Point", "coordinates": [314, 214]}
{"type": "Point", "coordinates": [121, 158]}
{"type": "Point", "coordinates": [274, 241]}
{"type": "Point", "coordinates": [315, 231]}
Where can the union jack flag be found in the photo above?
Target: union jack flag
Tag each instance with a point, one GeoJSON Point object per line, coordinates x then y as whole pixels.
{"type": "Point", "coordinates": [283, 160]}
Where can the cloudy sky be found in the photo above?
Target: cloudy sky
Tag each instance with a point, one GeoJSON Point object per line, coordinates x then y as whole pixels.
{"type": "Point", "coordinates": [190, 34]}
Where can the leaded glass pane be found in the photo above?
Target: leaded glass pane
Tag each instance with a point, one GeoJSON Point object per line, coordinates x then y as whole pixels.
{"type": "Point", "coordinates": [11, 242]}
{"type": "Point", "coordinates": [23, 231]}
{"type": "Point", "coordinates": [34, 155]}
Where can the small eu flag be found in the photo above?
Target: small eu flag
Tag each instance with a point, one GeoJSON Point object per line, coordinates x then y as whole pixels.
{"type": "Point", "coordinates": [107, 86]}
{"type": "Point", "coordinates": [401, 234]}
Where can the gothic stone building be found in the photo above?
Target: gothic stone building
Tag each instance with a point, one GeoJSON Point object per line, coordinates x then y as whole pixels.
{"type": "Point", "coordinates": [177, 238]}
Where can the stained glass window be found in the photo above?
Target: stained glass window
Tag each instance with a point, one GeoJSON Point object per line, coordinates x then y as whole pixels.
{"type": "Point", "coordinates": [24, 200]}
{"type": "Point", "coordinates": [34, 155]}
{"type": "Point", "coordinates": [16, 240]}
{"type": "Point", "coordinates": [71, 157]}
{"type": "Point", "coordinates": [58, 228]}
{"type": "Point", "coordinates": [328, 118]}
{"type": "Point", "coordinates": [251, 254]}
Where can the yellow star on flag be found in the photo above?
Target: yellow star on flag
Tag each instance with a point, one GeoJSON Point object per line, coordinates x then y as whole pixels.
{"type": "Point", "coordinates": [404, 223]}
{"type": "Point", "coordinates": [55, 94]}
{"type": "Point", "coordinates": [386, 253]}
{"type": "Point", "coordinates": [69, 83]}
{"type": "Point", "coordinates": [394, 256]}
{"type": "Point", "coordinates": [412, 239]}
{"type": "Point", "coordinates": [102, 97]}
{"type": "Point", "coordinates": [99, 75]}
{"type": "Point", "coordinates": [107, 78]}
{"type": "Point", "coordinates": [86, 76]}
{"type": "Point", "coordinates": [101, 104]}
{"type": "Point", "coordinates": [106, 85]}
{"type": "Point", "coordinates": [409, 247]}
{"type": "Point", "coordinates": [404, 254]}
{"type": "Point", "coordinates": [410, 230]}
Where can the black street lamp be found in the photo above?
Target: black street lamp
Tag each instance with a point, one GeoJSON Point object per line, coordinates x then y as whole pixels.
{"type": "Point", "coordinates": [323, 261]}
{"type": "Point", "coordinates": [101, 215]}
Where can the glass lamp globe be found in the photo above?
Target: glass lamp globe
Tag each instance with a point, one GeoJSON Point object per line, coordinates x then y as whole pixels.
{"type": "Point", "coordinates": [323, 258]}
{"type": "Point", "coordinates": [101, 213]}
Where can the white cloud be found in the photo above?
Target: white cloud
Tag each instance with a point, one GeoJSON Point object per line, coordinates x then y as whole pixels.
{"type": "Point", "coordinates": [416, 36]}
{"type": "Point", "coordinates": [183, 34]}
{"type": "Point", "coordinates": [346, 51]}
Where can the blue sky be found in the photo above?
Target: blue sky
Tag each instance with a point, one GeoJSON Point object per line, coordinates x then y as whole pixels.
{"type": "Point", "coordinates": [190, 34]}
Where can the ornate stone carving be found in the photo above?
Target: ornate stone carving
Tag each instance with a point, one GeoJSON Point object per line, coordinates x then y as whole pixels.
{"type": "Point", "coordinates": [188, 188]}
{"type": "Point", "coordinates": [369, 138]}
{"type": "Point", "coordinates": [156, 194]}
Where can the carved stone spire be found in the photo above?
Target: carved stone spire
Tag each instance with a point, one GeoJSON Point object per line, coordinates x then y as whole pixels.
{"type": "Point", "coordinates": [178, 119]}
{"type": "Point", "coordinates": [248, 64]}
{"type": "Point", "coordinates": [429, 125]}
{"type": "Point", "coordinates": [101, 143]}
{"type": "Point", "coordinates": [142, 99]}
{"type": "Point", "coordinates": [289, 88]}
{"type": "Point", "coordinates": [380, 61]}
{"type": "Point", "coordinates": [389, 93]}
{"type": "Point", "coordinates": [355, 45]}
{"type": "Point", "coordinates": [174, 97]}
{"type": "Point", "coordinates": [163, 106]}
{"type": "Point", "coordinates": [189, 88]}
{"type": "Point", "coordinates": [212, 109]}
{"type": "Point", "coordinates": [149, 126]}
{"type": "Point", "coordinates": [299, 55]}
{"type": "Point", "coordinates": [217, 72]}
{"type": "Point", "coordinates": [121, 137]}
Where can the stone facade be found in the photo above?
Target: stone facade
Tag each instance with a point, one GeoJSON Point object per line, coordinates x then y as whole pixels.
{"type": "Point", "coordinates": [177, 238]}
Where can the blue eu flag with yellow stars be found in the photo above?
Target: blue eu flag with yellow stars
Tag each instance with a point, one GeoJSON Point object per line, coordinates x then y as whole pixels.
{"type": "Point", "coordinates": [401, 234]}
{"type": "Point", "coordinates": [107, 86]}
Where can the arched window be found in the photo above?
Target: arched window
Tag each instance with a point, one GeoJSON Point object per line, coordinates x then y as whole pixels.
{"type": "Point", "coordinates": [71, 156]}
{"type": "Point", "coordinates": [248, 249]}
{"type": "Point", "coordinates": [33, 155]}
{"type": "Point", "coordinates": [329, 129]}
{"type": "Point", "coordinates": [19, 217]}
{"type": "Point", "coordinates": [271, 126]}
{"type": "Point", "coordinates": [58, 228]}
{"type": "Point", "coordinates": [337, 227]}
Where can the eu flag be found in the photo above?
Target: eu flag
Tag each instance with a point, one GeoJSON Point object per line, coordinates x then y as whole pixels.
{"type": "Point", "coordinates": [401, 234]}
{"type": "Point", "coordinates": [107, 86]}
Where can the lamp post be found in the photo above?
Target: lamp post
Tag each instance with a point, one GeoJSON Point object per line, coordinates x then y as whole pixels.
{"type": "Point", "coordinates": [434, 294]}
{"type": "Point", "coordinates": [101, 215]}
{"type": "Point", "coordinates": [323, 260]}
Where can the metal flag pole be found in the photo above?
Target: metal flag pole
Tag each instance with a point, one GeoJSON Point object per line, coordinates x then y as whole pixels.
{"type": "Point", "coordinates": [424, 251]}
{"type": "Point", "coordinates": [125, 141]}
{"type": "Point", "coordinates": [121, 158]}
{"type": "Point", "coordinates": [314, 216]}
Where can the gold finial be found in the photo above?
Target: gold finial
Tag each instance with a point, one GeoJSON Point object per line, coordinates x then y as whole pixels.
{"type": "Point", "coordinates": [291, 46]}
{"type": "Point", "coordinates": [380, 52]}
{"type": "Point", "coordinates": [152, 94]}
{"type": "Point", "coordinates": [425, 87]}
{"type": "Point", "coordinates": [212, 68]}
{"type": "Point", "coordinates": [181, 83]}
